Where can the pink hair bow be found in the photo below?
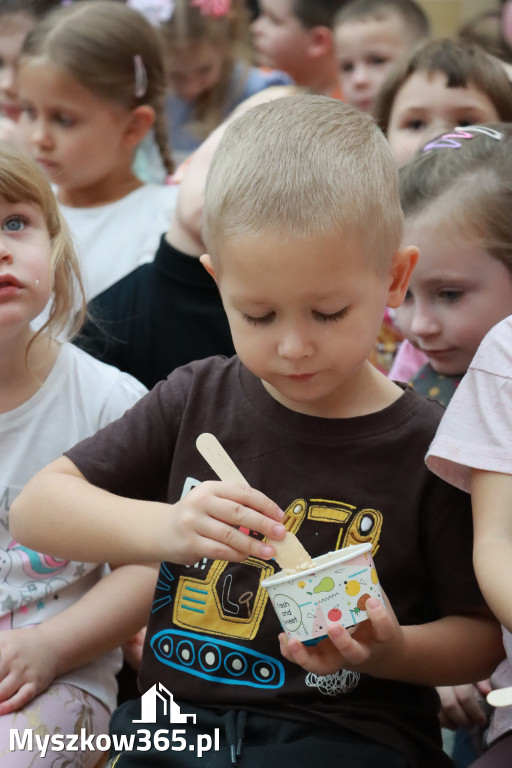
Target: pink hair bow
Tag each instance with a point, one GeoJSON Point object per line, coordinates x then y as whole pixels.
{"type": "Point", "coordinates": [212, 7]}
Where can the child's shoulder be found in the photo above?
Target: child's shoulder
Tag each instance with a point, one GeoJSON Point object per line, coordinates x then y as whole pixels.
{"type": "Point", "coordinates": [416, 413]}
{"type": "Point", "coordinates": [197, 385]}
{"type": "Point", "coordinates": [258, 79]}
{"type": "Point", "coordinates": [94, 379]}
{"type": "Point", "coordinates": [140, 202]}
{"type": "Point", "coordinates": [151, 197]}
{"type": "Point", "coordinates": [494, 354]}
{"type": "Point", "coordinates": [215, 370]}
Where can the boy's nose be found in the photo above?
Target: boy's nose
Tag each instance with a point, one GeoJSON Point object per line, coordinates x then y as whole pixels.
{"type": "Point", "coordinates": [256, 26]}
{"type": "Point", "coordinates": [294, 345]}
{"type": "Point", "coordinates": [360, 75]}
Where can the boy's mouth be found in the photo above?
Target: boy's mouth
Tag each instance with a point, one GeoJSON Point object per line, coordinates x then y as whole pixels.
{"type": "Point", "coordinates": [300, 376]}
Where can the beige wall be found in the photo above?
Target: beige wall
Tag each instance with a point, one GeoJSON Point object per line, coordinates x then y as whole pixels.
{"type": "Point", "coordinates": [447, 15]}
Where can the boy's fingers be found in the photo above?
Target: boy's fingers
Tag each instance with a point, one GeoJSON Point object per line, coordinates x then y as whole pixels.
{"type": "Point", "coordinates": [255, 500]}
{"type": "Point", "coordinates": [236, 515]}
{"type": "Point", "coordinates": [234, 540]}
{"type": "Point", "coordinates": [246, 496]}
{"type": "Point", "coordinates": [292, 650]}
{"type": "Point", "coordinates": [382, 621]}
{"type": "Point", "coordinates": [349, 648]}
{"type": "Point", "coordinates": [322, 659]}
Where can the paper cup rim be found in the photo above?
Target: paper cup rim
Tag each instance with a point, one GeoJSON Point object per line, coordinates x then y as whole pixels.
{"type": "Point", "coordinates": [357, 549]}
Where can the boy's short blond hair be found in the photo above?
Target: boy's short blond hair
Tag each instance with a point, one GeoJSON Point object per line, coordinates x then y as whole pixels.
{"type": "Point", "coordinates": [302, 166]}
{"type": "Point", "coordinates": [414, 19]}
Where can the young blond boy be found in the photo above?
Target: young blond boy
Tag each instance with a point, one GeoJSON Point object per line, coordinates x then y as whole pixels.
{"type": "Point", "coordinates": [370, 36]}
{"type": "Point", "coordinates": [303, 226]}
{"type": "Point", "coordinates": [296, 36]}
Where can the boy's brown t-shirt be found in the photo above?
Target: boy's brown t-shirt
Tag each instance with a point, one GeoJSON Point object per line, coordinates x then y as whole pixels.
{"type": "Point", "coordinates": [212, 633]}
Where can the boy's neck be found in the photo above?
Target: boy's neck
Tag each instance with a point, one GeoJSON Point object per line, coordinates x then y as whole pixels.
{"type": "Point", "coordinates": [369, 391]}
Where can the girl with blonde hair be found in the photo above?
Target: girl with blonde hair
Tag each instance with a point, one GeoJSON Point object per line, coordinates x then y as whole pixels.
{"type": "Point", "coordinates": [58, 651]}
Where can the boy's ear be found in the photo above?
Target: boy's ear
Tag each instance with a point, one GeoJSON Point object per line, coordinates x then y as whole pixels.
{"type": "Point", "coordinates": [400, 273]}
{"type": "Point", "coordinates": [206, 261]}
{"type": "Point", "coordinates": [321, 42]}
{"type": "Point", "coordinates": [140, 122]}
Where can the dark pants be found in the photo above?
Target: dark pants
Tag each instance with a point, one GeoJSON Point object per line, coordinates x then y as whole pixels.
{"type": "Point", "coordinates": [247, 740]}
{"type": "Point", "coordinates": [499, 754]}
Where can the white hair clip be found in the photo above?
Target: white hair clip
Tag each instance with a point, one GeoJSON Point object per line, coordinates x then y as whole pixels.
{"type": "Point", "coordinates": [141, 77]}
{"type": "Point", "coordinates": [155, 11]}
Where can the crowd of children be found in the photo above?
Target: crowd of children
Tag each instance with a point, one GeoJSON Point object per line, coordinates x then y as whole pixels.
{"type": "Point", "coordinates": [344, 177]}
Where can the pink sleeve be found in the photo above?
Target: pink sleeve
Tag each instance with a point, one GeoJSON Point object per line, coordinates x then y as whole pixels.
{"type": "Point", "coordinates": [407, 362]}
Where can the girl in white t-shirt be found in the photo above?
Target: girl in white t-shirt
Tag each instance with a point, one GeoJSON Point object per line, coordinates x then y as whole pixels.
{"type": "Point", "coordinates": [60, 621]}
{"type": "Point", "coordinates": [472, 449]}
{"type": "Point", "coordinates": [92, 86]}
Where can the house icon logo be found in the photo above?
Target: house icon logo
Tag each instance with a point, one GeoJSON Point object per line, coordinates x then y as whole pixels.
{"type": "Point", "coordinates": [148, 707]}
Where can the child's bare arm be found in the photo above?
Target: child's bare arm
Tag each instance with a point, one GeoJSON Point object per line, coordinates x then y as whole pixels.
{"type": "Point", "coordinates": [107, 615]}
{"type": "Point", "coordinates": [60, 512]}
{"type": "Point", "coordinates": [491, 498]}
{"type": "Point", "coordinates": [449, 651]}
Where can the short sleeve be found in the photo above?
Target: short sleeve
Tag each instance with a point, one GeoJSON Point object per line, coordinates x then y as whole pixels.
{"type": "Point", "coordinates": [131, 456]}
{"type": "Point", "coordinates": [126, 391]}
{"type": "Point", "coordinates": [476, 430]}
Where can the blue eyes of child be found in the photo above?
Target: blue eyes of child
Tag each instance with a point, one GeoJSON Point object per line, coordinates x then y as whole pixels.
{"type": "Point", "coordinates": [15, 224]}
{"type": "Point", "coordinates": [320, 316]}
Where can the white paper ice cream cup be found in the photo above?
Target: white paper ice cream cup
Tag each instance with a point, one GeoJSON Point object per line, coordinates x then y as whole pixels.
{"type": "Point", "coordinates": [334, 591]}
